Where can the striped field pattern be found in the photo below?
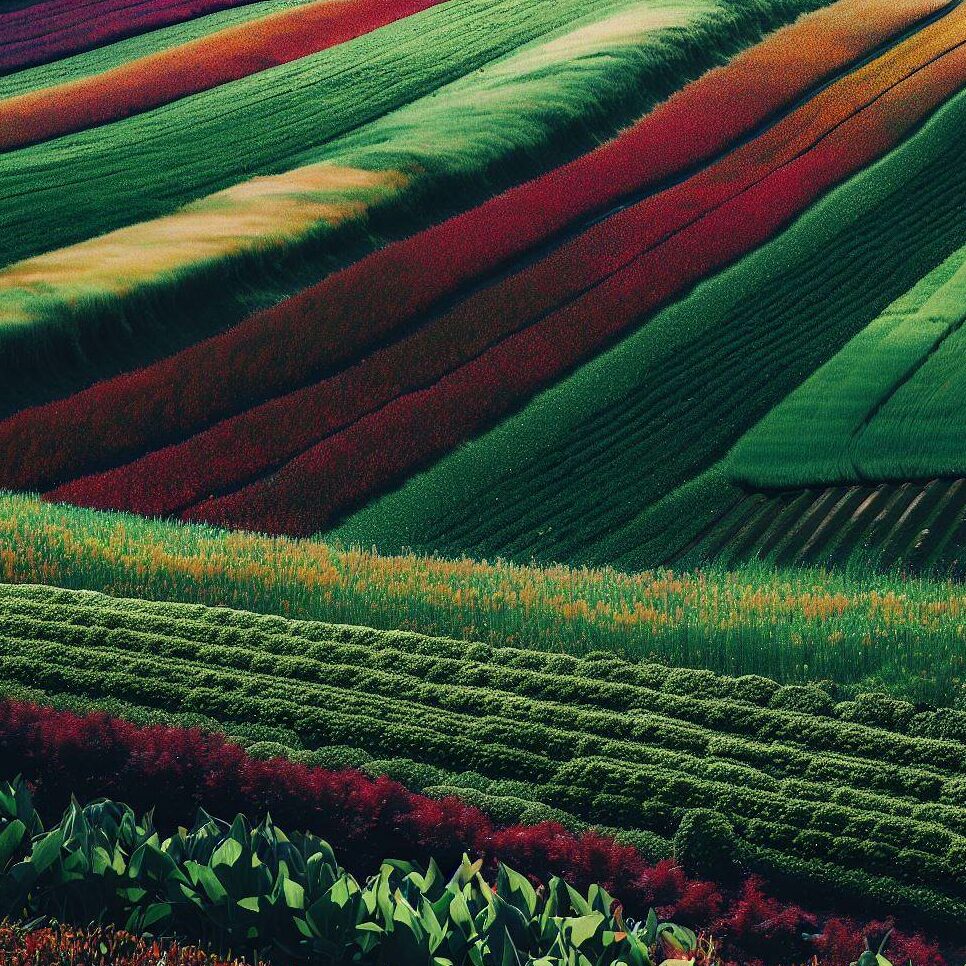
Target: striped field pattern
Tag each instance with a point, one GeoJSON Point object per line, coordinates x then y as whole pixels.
{"type": "Point", "coordinates": [501, 305]}
{"type": "Point", "coordinates": [568, 397]}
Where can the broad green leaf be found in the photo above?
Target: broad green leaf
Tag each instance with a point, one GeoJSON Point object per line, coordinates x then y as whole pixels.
{"type": "Point", "coordinates": [228, 853]}
{"type": "Point", "coordinates": [46, 851]}
{"type": "Point", "coordinates": [294, 894]}
{"type": "Point", "coordinates": [202, 875]}
{"type": "Point", "coordinates": [516, 889]}
{"type": "Point", "coordinates": [156, 912]}
{"type": "Point", "coordinates": [583, 928]}
{"type": "Point", "coordinates": [11, 840]}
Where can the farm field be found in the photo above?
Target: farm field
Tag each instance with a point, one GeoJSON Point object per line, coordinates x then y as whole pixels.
{"type": "Point", "coordinates": [483, 482]}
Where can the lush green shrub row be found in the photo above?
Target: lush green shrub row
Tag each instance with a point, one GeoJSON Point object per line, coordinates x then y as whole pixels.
{"type": "Point", "coordinates": [568, 732]}
{"type": "Point", "coordinates": [482, 726]}
{"type": "Point", "coordinates": [457, 695]}
{"type": "Point", "coordinates": [684, 692]}
{"type": "Point", "coordinates": [795, 764]}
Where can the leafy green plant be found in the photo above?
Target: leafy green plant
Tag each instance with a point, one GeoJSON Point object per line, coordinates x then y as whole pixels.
{"type": "Point", "coordinates": [238, 887]}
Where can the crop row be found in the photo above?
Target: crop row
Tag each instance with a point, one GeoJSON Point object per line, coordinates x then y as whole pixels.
{"type": "Point", "coordinates": [916, 432]}
{"type": "Point", "coordinates": [219, 58]}
{"type": "Point", "coordinates": [843, 403]}
{"type": "Point", "coordinates": [119, 52]}
{"type": "Point", "coordinates": [684, 701]}
{"type": "Point", "coordinates": [385, 447]}
{"type": "Point", "coordinates": [328, 324]}
{"type": "Point", "coordinates": [577, 755]}
{"type": "Point", "coordinates": [559, 732]}
{"type": "Point", "coordinates": [734, 337]}
{"type": "Point", "coordinates": [51, 29]}
{"type": "Point", "coordinates": [923, 525]}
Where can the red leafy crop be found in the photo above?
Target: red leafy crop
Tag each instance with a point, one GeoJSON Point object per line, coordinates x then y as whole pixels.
{"type": "Point", "coordinates": [199, 65]}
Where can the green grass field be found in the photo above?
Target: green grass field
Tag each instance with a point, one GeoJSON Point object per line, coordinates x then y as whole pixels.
{"type": "Point", "coordinates": [863, 631]}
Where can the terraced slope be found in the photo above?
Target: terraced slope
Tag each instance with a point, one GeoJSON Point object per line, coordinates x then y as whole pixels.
{"type": "Point", "coordinates": [209, 61]}
{"type": "Point", "coordinates": [39, 32]}
{"type": "Point", "coordinates": [119, 52]}
{"type": "Point", "coordinates": [861, 800]}
{"type": "Point", "coordinates": [478, 347]}
{"type": "Point", "coordinates": [861, 465]}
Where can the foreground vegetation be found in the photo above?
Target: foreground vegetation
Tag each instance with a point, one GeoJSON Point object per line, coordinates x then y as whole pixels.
{"type": "Point", "coordinates": [33, 944]}
{"type": "Point", "coordinates": [100, 862]}
{"type": "Point", "coordinates": [861, 800]}
{"type": "Point", "coordinates": [280, 896]}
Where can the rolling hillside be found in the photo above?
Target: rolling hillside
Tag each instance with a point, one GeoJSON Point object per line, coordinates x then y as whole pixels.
{"type": "Point", "coordinates": [294, 446]}
{"type": "Point", "coordinates": [530, 436]}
